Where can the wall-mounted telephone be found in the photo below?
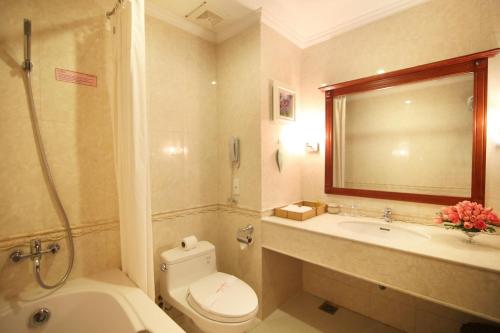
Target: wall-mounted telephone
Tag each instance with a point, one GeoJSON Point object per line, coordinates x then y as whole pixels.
{"type": "Point", "coordinates": [234, 151]}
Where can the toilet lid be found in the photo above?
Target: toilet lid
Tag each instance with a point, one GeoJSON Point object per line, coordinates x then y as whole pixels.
{"type": "Point", "coordinates": [223, 297]}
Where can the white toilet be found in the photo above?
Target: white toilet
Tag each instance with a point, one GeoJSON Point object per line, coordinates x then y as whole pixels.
{"type": "Point", "coordinates": [216, 302]}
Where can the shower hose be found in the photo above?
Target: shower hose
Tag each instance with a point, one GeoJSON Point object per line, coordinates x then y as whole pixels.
{"type": "Point", "coordinates": [51, 188]}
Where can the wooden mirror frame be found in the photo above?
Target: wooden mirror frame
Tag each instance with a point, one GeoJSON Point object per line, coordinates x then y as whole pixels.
{"type": "Point", "coordinates": [477, 64]}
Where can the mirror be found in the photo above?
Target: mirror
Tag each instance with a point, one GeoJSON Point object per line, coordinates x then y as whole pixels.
{"type": "Point", "coordinates": [416, 134]}
{"type": "Point", "coordinates": [414, 138]}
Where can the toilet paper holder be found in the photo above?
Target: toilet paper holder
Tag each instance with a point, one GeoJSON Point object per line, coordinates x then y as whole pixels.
{"type": "Point", "coordinates": [244, 235]}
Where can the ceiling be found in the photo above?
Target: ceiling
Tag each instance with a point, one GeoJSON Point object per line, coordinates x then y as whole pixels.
{"type": "Point", "coordinates": [304, 22]}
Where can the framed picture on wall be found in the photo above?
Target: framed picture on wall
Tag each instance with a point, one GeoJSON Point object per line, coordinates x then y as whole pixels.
{"type": "Point", "coordinates": [284, 100]}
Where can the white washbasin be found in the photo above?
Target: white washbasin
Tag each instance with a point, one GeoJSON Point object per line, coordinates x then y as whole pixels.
{"type": "Point", "coordinates": [384, 230]}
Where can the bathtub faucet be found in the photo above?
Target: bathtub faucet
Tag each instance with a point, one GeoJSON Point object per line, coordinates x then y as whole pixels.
{"type": "Point", "coordinates": [36, 251]}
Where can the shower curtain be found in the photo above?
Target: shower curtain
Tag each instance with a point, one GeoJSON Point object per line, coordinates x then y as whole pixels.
{"type": "Point", "coordinates": [131, 145]}
{"type": "Point", "coordinates": [339, 106]}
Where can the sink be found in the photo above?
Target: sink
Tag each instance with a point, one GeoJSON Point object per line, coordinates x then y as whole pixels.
{"type": "Point", "coordinates": [383, 230]}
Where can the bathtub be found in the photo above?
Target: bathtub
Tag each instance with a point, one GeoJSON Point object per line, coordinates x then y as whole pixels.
{"type": "Point", "coordinates": [106, 303]}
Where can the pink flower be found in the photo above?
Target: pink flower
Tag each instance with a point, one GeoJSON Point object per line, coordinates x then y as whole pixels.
{"type": "Point", "coordinates": [454, 218]}
{"type": "Point", "coordinates": [479, 224]}
{"type": "Point", "coordinates": [468, 225]}
{"type": "Point", "coordinates": [493, 219]}
{"type": "Point", "coordinates": [467, 215]}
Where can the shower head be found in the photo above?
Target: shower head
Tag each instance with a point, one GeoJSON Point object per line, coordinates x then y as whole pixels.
{"type": "Point", "coordinates": [27, 65]}
{"type": "Point", "coordinates": [27, 27]}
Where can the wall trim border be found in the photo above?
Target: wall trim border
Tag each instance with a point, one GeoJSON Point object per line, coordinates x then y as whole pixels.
{"type": "Point", "coordinates": [56, 234]}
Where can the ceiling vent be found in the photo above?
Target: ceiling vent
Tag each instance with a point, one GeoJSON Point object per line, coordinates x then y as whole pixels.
{"type": "Point", "coordinates": [211, 17]}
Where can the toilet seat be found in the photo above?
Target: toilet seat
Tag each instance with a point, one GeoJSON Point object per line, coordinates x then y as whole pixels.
{"type": "Point", "coordinates": [223, 298]}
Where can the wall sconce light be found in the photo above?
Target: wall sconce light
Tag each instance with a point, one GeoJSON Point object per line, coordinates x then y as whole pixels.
{"type": "Point", "coordinates": [279, 159]}
{"type": "Point", "coordinates": [312, 147]}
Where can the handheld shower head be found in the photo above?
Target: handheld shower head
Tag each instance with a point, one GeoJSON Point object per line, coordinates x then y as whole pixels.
{"type": "Point", "coordinates": [27, 65]}
{"type": "Point", "coordinates": [27, 27]}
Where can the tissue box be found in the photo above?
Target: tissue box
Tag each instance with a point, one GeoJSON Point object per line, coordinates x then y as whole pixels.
{"type": "Point", "coordinates": [317, 209]}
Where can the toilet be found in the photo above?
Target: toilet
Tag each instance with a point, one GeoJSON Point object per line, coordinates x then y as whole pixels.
{"type": "Point", "coordinates": [217, 302]}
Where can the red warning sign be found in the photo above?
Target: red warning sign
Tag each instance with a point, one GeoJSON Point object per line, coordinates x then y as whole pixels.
{"type": "Point", "coordinates": [66, 75]}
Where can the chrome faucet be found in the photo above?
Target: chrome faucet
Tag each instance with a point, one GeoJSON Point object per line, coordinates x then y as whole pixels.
{"type": "Point", "coordinates": [36, 248]}
{"type": "Point", "coordinates": [36, 251]}
{"type": "Point", "coordinates": [388, 215]}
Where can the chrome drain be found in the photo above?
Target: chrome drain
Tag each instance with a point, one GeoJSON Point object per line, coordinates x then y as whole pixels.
{"type": "Point", "coordinates": [40, 317]}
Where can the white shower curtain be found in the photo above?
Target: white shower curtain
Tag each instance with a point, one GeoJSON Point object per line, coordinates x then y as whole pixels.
{"type": "Point", "coordinates": [339, 114]}
{"type": "Point", "coordinates": [131, 145]}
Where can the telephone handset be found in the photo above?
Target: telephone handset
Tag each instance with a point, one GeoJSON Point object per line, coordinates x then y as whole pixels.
{"type": "Point", "coordinates": [234, 151]}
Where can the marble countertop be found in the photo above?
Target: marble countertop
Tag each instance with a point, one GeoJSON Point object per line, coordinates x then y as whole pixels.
{"type": "Point", "coordinates": [448, 245]}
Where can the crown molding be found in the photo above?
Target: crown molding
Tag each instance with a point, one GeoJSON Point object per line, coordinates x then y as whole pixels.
{"type": "Point", "coordinates": [360, 21]}
{"type": "Point", "coordinates": [275, 23]}
{"type": "Point", "coordinates": [179, 22]}
{"type": "Point", "coordinates": [307, 41]}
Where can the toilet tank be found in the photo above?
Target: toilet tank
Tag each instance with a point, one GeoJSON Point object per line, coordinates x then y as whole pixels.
{"type": "Point", "coordinates": [180, 268]}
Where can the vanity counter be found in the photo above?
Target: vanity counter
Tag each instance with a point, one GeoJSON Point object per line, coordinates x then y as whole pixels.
{"type": "Point", "coordinates": [443, 268]}
{"type": "Point", "coordinates": [449, 245]}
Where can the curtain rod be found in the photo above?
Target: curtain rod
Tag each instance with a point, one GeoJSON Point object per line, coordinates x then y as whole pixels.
{"type": "Point", "coordinates": [115, 7]}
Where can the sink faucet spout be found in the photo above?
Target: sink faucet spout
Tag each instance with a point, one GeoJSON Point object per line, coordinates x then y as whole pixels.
{"type": "Point", "coordinates": [388, 215]}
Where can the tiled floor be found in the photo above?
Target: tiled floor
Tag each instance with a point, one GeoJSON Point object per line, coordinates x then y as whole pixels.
{"type": "Point", "coordinates": [301, 315]}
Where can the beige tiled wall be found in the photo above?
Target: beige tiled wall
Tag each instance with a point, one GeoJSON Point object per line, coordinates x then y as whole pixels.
{"type": "Point", "coordinates": [182, 118]}
{"type": "Point", "coordinates": [95, 251]}
{"type": "Point", "coordinates": [75, 122]}
{"type": "Point", "coordinates": [281, 279]}
{"type": "Point", "coordinates": [280, 62]}
{"type": "Point", "coordinates": [190, 123]}
{"type": "Point", "coordinates": [238, 108]}
{"type": "Point", "coordinates": [405, 312]}
{"type": "Point", "coordinates": [245, 264]}
{"type": "Point", "coordinates": [180, 69]}
{"type": "Point", "coordinates": [435, 30]}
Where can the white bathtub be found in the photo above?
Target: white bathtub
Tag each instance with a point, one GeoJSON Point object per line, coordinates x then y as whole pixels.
{"type": "Point", "coordinates": [106, 303]}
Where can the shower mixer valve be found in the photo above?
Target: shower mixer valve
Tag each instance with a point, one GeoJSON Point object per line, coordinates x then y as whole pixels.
{"type": "Point", "coordinates": [36, 251]}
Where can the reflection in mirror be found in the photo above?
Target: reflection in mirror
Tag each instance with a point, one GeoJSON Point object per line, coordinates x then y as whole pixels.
{"type": "Point", "coordinates": [411, 138]}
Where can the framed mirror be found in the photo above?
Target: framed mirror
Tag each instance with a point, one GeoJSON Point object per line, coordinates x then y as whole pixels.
{"type": "Point", "coordinates": [417, 134]}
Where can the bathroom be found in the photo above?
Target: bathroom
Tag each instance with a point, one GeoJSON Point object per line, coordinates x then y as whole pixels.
{"type": "Point", "coordinates": [185, 92]}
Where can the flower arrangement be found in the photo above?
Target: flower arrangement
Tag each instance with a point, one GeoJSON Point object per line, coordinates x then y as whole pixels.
{"type": "Point", "coordinates": [469, 217]}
